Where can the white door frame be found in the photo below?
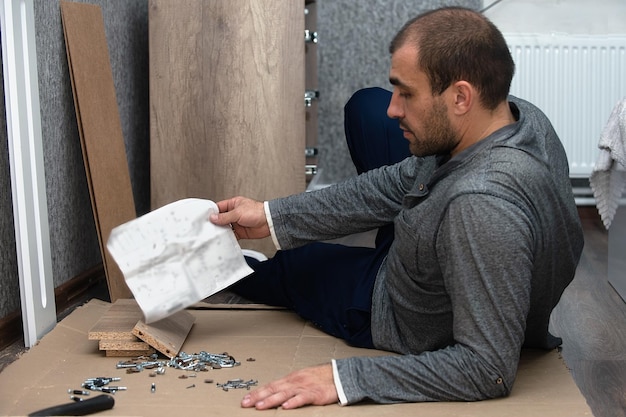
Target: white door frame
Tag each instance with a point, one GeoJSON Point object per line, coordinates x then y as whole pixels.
{"type": "Point", "coordinates": [28, 186]}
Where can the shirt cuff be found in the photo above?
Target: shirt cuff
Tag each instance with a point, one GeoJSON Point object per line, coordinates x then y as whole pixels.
{"type": "Point", "coordinates": [270, 223]}
{"type": "Point", "coordinates": [343, 400]}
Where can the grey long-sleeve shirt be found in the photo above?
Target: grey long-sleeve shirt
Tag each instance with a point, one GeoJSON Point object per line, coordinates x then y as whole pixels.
{"type": "Point", "coordinates": [485, 243]}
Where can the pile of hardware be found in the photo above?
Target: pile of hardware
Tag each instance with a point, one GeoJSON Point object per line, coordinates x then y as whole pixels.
{"type": "Point", "coordinates": [195, 362]}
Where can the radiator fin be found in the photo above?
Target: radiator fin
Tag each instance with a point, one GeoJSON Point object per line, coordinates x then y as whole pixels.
{"type": "Point", "coordinates": [576, 80]}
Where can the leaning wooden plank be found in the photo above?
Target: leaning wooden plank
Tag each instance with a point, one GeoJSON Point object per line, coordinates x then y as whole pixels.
{"type": "Point", "coordinates": [118, 322]}
{"type": "Point", "coordinates": [100, 129]}
{"type": "Point", "coordinates": [167, 335]}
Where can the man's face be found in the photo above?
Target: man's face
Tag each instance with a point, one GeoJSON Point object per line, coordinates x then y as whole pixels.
{"type": "Point", "coordinates": [423, 117]}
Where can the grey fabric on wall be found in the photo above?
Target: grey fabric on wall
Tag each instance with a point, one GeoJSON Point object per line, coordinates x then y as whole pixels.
{"type": "Point", "coordinates": [353, 53]}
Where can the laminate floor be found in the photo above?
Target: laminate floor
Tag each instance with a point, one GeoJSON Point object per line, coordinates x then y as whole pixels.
{"type": "Point", "coordinates": [591, 319]}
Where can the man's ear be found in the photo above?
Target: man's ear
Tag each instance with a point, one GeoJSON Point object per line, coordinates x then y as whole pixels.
{"type": "Point", "coordinates": [463, 97]}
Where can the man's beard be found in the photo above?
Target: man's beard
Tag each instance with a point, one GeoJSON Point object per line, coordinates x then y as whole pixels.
{"type": "Point", "coordinates": [439, 136]}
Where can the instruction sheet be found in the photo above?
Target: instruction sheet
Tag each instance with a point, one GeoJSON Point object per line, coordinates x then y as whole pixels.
{"type": "Point", "coordinates": [174, 257]}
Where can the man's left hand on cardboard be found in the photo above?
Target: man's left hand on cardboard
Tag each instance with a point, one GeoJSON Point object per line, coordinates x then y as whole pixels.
{"type": "Point", "coordinates": [303, 387]}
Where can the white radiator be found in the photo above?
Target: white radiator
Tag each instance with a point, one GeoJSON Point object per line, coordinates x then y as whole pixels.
{"type": "Point", "coordinates": [576, 80]}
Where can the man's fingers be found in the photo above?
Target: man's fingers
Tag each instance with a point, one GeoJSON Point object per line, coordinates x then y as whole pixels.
{"type": "Point", "coordinates": [299, 400]}
{"type": "Point", "coordinates": [264, 398]}
{"type": "Point", "coordinates": [222, 219]}
{"type": "Point", "coordinates": [227, 205]}
{"type": "Point", "coordinates": [306, 386]}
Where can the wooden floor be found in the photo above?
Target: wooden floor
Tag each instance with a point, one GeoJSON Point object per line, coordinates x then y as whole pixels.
{"type": "Point", "coordinates": [591, 319]}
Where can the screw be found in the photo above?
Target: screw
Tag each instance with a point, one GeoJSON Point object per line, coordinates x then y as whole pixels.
{"type": "Point", "coordinates": [153, 388]}
{"type": "Point", "coordinates": [77, 392]}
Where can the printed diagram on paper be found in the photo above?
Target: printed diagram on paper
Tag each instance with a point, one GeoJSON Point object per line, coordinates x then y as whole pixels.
{"type": "Point", "coordinates": [174, 257]}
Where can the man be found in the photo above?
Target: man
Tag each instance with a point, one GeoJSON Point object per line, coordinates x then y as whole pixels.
{"type": "Point", "coordinates": [485, 234]}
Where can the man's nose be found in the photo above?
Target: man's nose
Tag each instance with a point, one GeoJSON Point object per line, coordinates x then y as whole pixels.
{"type": "Point", "coordinates": [394, 110]}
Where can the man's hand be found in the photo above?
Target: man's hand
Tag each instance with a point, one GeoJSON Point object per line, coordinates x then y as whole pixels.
{"type": "Point", "coordinates": [306, 386]}
{"type": "Point", "coordinates": [246, 216]}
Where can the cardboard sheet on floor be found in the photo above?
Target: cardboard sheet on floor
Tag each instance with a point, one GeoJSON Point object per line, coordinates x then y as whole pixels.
{"type": "Point", "coordinates": [100, 129]}
{"type": "Point", "coordinates": [279, 342]}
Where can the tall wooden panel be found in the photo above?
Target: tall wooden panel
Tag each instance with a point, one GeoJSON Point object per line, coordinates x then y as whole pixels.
{"type": "Point", "coordinates": [227, 114]}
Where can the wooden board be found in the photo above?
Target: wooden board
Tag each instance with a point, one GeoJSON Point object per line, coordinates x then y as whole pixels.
{"type": "Point", "coordinates": [227, 113]}
{"type": "Point", "coordinates": [121, 331]}
{"type": "Point", "coordinates": [100, 129]}
{"type": "Point", "coordinates": [167, 335]}
{"type": "Point", "coordinates": [118, 322]}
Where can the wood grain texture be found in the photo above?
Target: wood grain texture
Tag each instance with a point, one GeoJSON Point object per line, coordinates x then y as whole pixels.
{"type": "Point", "coordinates": [227, 113]}
{"type": "Point", "coordinates": [118, 322]}
{"type": "Point", "coordinates": [166, 335]}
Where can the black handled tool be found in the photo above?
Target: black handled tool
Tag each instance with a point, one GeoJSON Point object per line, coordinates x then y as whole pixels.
{"type": "Point", "coordinates": [81, 408]}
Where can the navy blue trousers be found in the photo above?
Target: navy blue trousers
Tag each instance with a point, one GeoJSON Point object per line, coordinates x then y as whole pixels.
{"type": "Point", "coordinates": [330, 284]}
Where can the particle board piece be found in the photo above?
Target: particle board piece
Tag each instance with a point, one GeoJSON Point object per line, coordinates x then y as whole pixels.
{"type": "Point", "coordinates": [129, 353]}
{"type": "Point", "coordinates": [167, 335]}
{"type": "Point", "coordinates": [118, 322]}
{"type": "Point", "coordinates": [114, 330]}
{"type": "Point", "coordinates": [130, 345]}
{"type": "Point", "coordinates": [121, 331]}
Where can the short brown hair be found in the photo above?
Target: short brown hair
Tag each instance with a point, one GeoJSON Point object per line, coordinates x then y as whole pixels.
{"type": "Point", "coordinates": [455, 44]}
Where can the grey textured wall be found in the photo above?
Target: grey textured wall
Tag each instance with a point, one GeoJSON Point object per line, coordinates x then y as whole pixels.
{"type": "Point", "coordinates": [74, 243]}
{"type": "Point", "coordinates": [353, 53]}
